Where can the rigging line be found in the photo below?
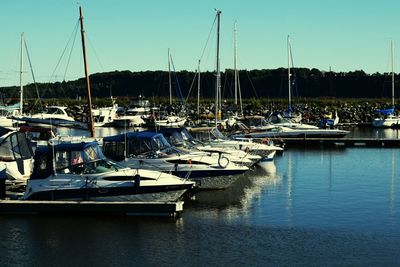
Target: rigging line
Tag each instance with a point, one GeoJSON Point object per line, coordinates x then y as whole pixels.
{"type": "Point", "coordinates": [33, 75]}
{"type": "Point", "coordinates": [70, 52]}
{"type": "Point", "coordinates": [65, 48]}
{"type": "Point", "coordinates": [177, 81]}
{"type": "Point", "coordinates": [251, 83]}
{"type": "Point", "coordinates": [191, 87]}
{"type": "Point", "coordinates": [208, 38]}
{"type": "Point", "coordinates": [94, 52]}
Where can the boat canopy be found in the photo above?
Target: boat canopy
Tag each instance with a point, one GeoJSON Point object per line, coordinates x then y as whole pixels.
{"type": "Point", "coordinates": [66, 155]}
{"type": "Point", "coordinates": [137, 143]}
{"type": "Point", "coordinates": [14, 146]}
{"type": "Point", "coordinates": [388, 111]}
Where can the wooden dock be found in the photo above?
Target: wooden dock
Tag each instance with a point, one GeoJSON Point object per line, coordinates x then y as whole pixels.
{"type": "Point", "coordinates": [160, 209]}
{"type": "Point", "coordinates": [340, 142]}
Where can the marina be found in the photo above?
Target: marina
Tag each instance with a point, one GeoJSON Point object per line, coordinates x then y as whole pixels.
{"type": "Point", "coordinates": [212, 164]}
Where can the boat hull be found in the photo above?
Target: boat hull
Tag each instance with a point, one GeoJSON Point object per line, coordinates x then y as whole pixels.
{"type": "Point", "coordinates": [163, 193]}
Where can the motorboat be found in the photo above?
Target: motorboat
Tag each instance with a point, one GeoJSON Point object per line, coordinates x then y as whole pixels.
{"type": "Point", "coordinates": [79, 171]}
{"type": "Point", "coordinates": [182, 139]}
{"type": "Point", "coordinates": [133, 117]}
{"type": "Point", "coordinates": [105, 116]}
{"type": "Point", "coordinates": [150, 150]}
{"type": "Point", "coordinates": [17, 156]}
{"type": "Point", "coordinates": [7, 114]}
{"type": "Point", "coordinates": [171, 120]}
{"type": "Point", "coordinates": [51, 115]}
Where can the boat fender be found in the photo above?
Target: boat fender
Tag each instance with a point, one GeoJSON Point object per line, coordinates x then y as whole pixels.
{"type": "Point", "coordinates": [136, 178]}
{"type": "Point", "coordinates": [223, 161]}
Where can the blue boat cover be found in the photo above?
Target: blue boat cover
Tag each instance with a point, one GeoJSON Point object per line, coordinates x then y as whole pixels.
{"type": "Point", "coordinates": [131, 135]}
{"type": "Point", "coordinates": [385, 111]}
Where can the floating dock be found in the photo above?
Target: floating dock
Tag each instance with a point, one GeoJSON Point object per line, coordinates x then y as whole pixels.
{"type": "Point", "coordinates": [340, 142]}
{"type": "Point", "coordinates": [160, 209]}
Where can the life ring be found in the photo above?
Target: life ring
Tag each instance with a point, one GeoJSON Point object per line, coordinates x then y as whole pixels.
{"type": "Point", "coordinates": [265, 141]}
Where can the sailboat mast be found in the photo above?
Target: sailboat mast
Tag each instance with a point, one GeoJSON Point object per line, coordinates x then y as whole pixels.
{"type": "Point", "coordinates": [289, 78]}
{"type": "Point", "coordinates": [392, 49]}
{"type": "Point", "coordinates": [169, 79]}
{"type": "Point", "coordinates": [198, 90]}
{"type": "Point", "coordinates": [21, 66]}
{"type": "Point", "coordinates": [234, 62]}
{"type": "Point", "coordinates": [91, 125]}
{"type": "Point", "coordinates": [218, 81]}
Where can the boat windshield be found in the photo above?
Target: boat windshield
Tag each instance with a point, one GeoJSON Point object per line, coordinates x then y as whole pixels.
{"type": "Point", "coordinates": [217, 134]}
{"type": "Point", "coordinates": [53, 110]}
{"type": "Point", "coordinates": [90, 160]}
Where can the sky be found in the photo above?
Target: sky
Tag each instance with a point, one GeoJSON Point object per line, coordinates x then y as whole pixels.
{"type": "Point", "coordinates": [344, 35]}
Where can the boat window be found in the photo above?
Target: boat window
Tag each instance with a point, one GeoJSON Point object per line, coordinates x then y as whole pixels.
{"type": "Point", "coordinates": [114, 150]}
{"type": "Point", "coordinates": [24, 149]}
{"type": "Point", "coordinates": [6, 153]}
{"type": "Point", "coordinates": [61, 160]}
{"type": "Point", "coordinates": [92, 153]}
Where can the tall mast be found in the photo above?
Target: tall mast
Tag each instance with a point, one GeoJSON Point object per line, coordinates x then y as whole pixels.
{"type": "Point", "coordinates": [21, 66]}
{"type": "Point", "coordinates": [392, 48]}
{"type": "Point", "coordinates": [91, 125]}
{"type": "Point", "coordinates": [218, 81]}
{"type": "Point", "coordinates": [289, 78]}
{"type": "Point", "coordinates": [198, 90]}
{"type": "Point", "coordinates": [169, 79]}
{"type": "Point", "coordinates": [234, 63]}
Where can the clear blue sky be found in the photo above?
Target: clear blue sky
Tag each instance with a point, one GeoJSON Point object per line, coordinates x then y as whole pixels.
{"type": "Point", "coordinates": [345, 35]}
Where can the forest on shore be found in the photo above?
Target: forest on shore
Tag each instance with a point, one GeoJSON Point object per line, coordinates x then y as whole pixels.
{"type": "Point", "coordinates": [266, 83]}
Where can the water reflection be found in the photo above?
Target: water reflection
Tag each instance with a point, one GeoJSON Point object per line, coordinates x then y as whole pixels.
{"type": "Point", "coordinates": [237, 200]}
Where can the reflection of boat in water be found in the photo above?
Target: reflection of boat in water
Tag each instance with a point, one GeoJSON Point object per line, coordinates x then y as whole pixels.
{"type": "Point", "coordinates": [387, 133]}
{"type": "Point", "coordinates": [237, 199]}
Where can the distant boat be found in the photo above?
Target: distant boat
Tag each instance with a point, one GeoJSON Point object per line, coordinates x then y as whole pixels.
{"type": "Point", "coordinates": [50, 116]}
{"type": "Point", "coordinates": [285, 132]}
{"type": "Point", "coordinates": [387, 117]}
{"type": "Point", "coordinates": [133, 117]}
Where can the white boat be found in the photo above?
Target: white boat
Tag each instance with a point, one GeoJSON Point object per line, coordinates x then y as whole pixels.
{"type": "Point", "coordinates": [150, 150]}
{"type": "Point", "coordinates": [387, 117]}
{"type": "Point", "coordinates": [17, 156]}
{"type": "Point", "coordinates": [105, 116]}
{"type": "Point", "coordinates": [182, 139]}
{"type": "Point", "coordinates": [284, 132]}
{"type": "Point", "coordinates": [133, 117]}
{"type": "Point", "coordinates": [50, 116]}
{"type": "Point", "coordinates": [266, 150]}
{"type": "Point", "coordinates": [7, 114]}
{"type": "Point", "coordinates": [79, 171]}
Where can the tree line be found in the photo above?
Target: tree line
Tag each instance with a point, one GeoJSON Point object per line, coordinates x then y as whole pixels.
{"type": "Point", "coordinates": [266, 83]}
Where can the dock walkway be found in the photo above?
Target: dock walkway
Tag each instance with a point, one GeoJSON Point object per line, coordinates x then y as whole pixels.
{"type": "Point", "coordinates": [340, 142]}
{"type": "Point", "coordinates": [161, 209]}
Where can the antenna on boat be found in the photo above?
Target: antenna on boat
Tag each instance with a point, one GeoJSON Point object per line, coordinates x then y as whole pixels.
{"type": "Point", "coordinates": [90, 122]}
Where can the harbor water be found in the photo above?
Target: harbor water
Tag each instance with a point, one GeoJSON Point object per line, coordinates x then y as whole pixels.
{"type": "Point", "coordinates": [308, 207]}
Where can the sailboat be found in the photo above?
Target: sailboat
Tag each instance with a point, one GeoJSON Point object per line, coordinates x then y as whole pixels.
{"type": "Point", "coordinates": [387, 117]}
{"type": "Point", "coordinates": [291, 80]}
{"type": "Point", "coordinates": [166, 120]}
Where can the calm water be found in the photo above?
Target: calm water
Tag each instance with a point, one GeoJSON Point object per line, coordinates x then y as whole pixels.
{"type": "Point", "coordinates": [309, 207]}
